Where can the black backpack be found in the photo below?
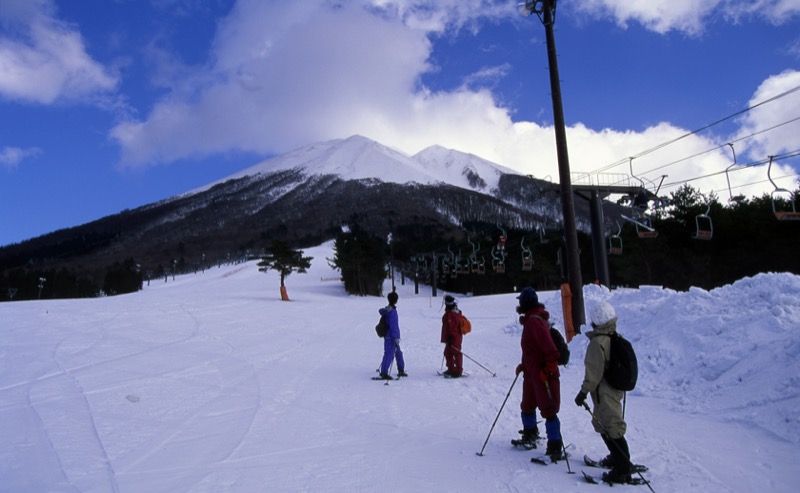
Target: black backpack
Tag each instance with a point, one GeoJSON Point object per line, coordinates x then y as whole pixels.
{"type": "Point", "coordinates": [561, 345]}
{"type": "Point", "coordinates": [623, 368]}
{"type": "Point", "coordinates": [383, 327]}
{"type": "Point", "coordinates": [558, 340]}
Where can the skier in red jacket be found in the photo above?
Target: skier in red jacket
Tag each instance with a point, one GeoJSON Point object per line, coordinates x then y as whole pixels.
{"type": "Point", "coordinates": [541, 386]}
{"type": "Point", "coordinates": [452, 337]}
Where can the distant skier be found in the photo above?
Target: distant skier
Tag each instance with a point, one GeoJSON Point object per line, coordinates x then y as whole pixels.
{"type": "Point", "coordinates": [607, 400]}
{"type": "Point", "coordinates": [541, 387]}
{"type": "Point", "coordinates": [452, 338]}
{"type": "Point", "coordinates": [391, 342]}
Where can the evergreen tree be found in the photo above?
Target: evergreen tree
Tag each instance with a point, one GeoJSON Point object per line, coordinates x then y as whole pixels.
{"type": "Point", "coordinates": [361, 258]}
{"type": "Point", "coordinates": [281, 257]}
{"type": "Point", "coordinates": [122, 278]}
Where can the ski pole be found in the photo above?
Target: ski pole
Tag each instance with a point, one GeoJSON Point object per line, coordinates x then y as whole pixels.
{"type": "Point", "coordinates": [624, 403]}
{"type": "Point", "coordinates": [586, 406]}
{"type": "Point", "coordinates": [566, 455]}
{"type": "Point", "coordinates": [468, 357]}
{"type": "Point", "coordinates": [498, 415]}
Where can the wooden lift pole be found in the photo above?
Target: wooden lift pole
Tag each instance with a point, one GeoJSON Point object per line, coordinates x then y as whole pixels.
{"type": "Point", "coordinates": [567, 200]}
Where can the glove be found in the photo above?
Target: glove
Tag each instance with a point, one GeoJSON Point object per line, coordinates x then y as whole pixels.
{"type": "Point", "coordinates": [580, 399]}
{"type": "Point", "coordinates": [549, 369]}
{"type": "Point", "coordinates": [520, 369]}
{"type": "Point", "coordinates": [397, 342]}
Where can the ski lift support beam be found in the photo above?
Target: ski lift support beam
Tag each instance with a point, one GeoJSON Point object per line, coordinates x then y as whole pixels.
{"type": "Point", "coordinates": [596, 194]}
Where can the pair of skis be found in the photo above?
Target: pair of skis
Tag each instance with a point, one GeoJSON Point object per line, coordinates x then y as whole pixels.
{"type": "Point", "coordinates": [637, 468]}
{"type": "Point", "coordinates": [447, 375]}
{"type": "Point", "coordinates": [388, 378]}
{"type": "Point", "coordinates": [545, 460]}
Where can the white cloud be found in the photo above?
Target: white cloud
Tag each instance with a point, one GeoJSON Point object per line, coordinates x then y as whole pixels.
{"type": "Point", "coordinates": [783, 108]}
{"type": "Point", "coordinates": [688, 16]}
{"type": "Point", "coordinates": [775, 11]}
{"type": "Point", "coordinates": [285, 74]}
{"type": "Point", "coordinates": [774, 115]}
{"type": "Point", "coordinates": [43, 60]}
{"type": "Point", "coordinates": [10, 157]}
{"type": "Point", "coordinates": [660, 16]}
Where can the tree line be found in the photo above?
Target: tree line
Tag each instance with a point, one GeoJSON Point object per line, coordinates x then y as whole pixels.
{"type": "Point", "coordinates": [746, 239]}
{"type": "Point", "coordinates": [738, 239]}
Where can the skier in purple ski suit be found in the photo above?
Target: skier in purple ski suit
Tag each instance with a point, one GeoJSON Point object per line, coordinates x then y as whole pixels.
{"type": "Point", "coordinates": [391, 342]}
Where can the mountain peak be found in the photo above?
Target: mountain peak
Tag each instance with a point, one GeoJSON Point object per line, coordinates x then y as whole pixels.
{"type": "Point", "coordinates": [360, 158]}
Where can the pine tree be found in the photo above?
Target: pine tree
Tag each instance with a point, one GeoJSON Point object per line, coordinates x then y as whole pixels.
{"type": "Point", "coordinates": [361, 257]}
{"type": "Point", "coordinates": [281, 257]}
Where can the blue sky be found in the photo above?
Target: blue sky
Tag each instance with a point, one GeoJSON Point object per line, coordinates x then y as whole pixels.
{"type": "Point", "coordinates": [113, 104]}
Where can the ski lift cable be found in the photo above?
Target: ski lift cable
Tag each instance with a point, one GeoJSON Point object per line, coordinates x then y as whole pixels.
{"type": "Point", "coordinates": [738, 167]}
{"type": "Point", "coordinates": [744, 137]}
{"type": "Point", "coordinates": [741, 167]}
{"type": "Point", "coordinates": [750, 136]}
{"type": "Point", "coordinates": [688, 134]}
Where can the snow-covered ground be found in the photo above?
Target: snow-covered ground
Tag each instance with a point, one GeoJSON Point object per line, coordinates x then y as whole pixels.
{"type": "Point", "coordinates": [210, 383]}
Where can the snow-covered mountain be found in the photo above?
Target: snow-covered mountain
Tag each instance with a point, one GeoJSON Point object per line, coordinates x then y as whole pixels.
{"type": "Point", "coordinates": [359, 158]}
{"type": "Point", "coordinates": [305, 197]}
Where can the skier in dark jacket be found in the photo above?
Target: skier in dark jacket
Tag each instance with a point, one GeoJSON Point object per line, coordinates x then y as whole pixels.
{"type": "Point", "coordinates": [541, 387]}
{"type": "Point", "coordinates": [391, 342]}
{"type": "Point", "coordinates": [452, 337]}
{"type": "Point", "coordinates": [607, 400]}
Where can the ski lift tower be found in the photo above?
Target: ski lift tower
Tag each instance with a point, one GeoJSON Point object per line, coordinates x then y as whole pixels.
{"type": "Point", "coordinates": [598, 187]}
{"type": "Point", "coordinates": [546, 11]}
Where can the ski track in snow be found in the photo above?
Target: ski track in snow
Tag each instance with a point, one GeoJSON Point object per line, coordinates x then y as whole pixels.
{"type": "Point", "coordinates": [209, 383]}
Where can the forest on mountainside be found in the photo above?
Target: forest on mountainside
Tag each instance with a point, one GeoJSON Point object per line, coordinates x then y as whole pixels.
{"type": "Point", "coordinates": [735, 240]}
{"type": "Point", "coordinates": [744, 238]}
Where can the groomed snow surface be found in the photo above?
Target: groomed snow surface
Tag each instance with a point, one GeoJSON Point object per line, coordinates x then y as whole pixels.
{"type": "Point", "coordinates": [211, 383]}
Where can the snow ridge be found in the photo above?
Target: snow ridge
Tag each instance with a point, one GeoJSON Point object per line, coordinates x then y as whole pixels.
{"type": "Point", "coordinates": [359, 158]}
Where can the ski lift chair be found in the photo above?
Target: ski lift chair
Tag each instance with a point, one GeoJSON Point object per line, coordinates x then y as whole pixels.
{"type": "Point", "coordinates": [465, 267]}
{"type": "Point", "coordinates": [459, 267]}
{"type": "Point", "coordinates": [473, 262]}
{"type": "Point", "coordinates": [527, 263]}
{"type": "Point", "coordinates": [527, 256]}
{"type": "Point", "coordinates": [704, 226]}
{"type": "Point", "coordinates": [482, 266]}
{"type": "Point", "coordinates": [779, 197]}
{"type": "Point", "coordinates": [498, 260]}
{"type": "Point", "coordinates": [615, 242]}
{"type": "Point", "coordinates": [614, 245]}
{"type": "Point", "coordinates": [644, 228]}
{"type": "Point", "coordinates": [474, 265]}
{"type": "Point", "coordinates": [542, 238]}
{"type": "Point", "coordinates": [501, 241]}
